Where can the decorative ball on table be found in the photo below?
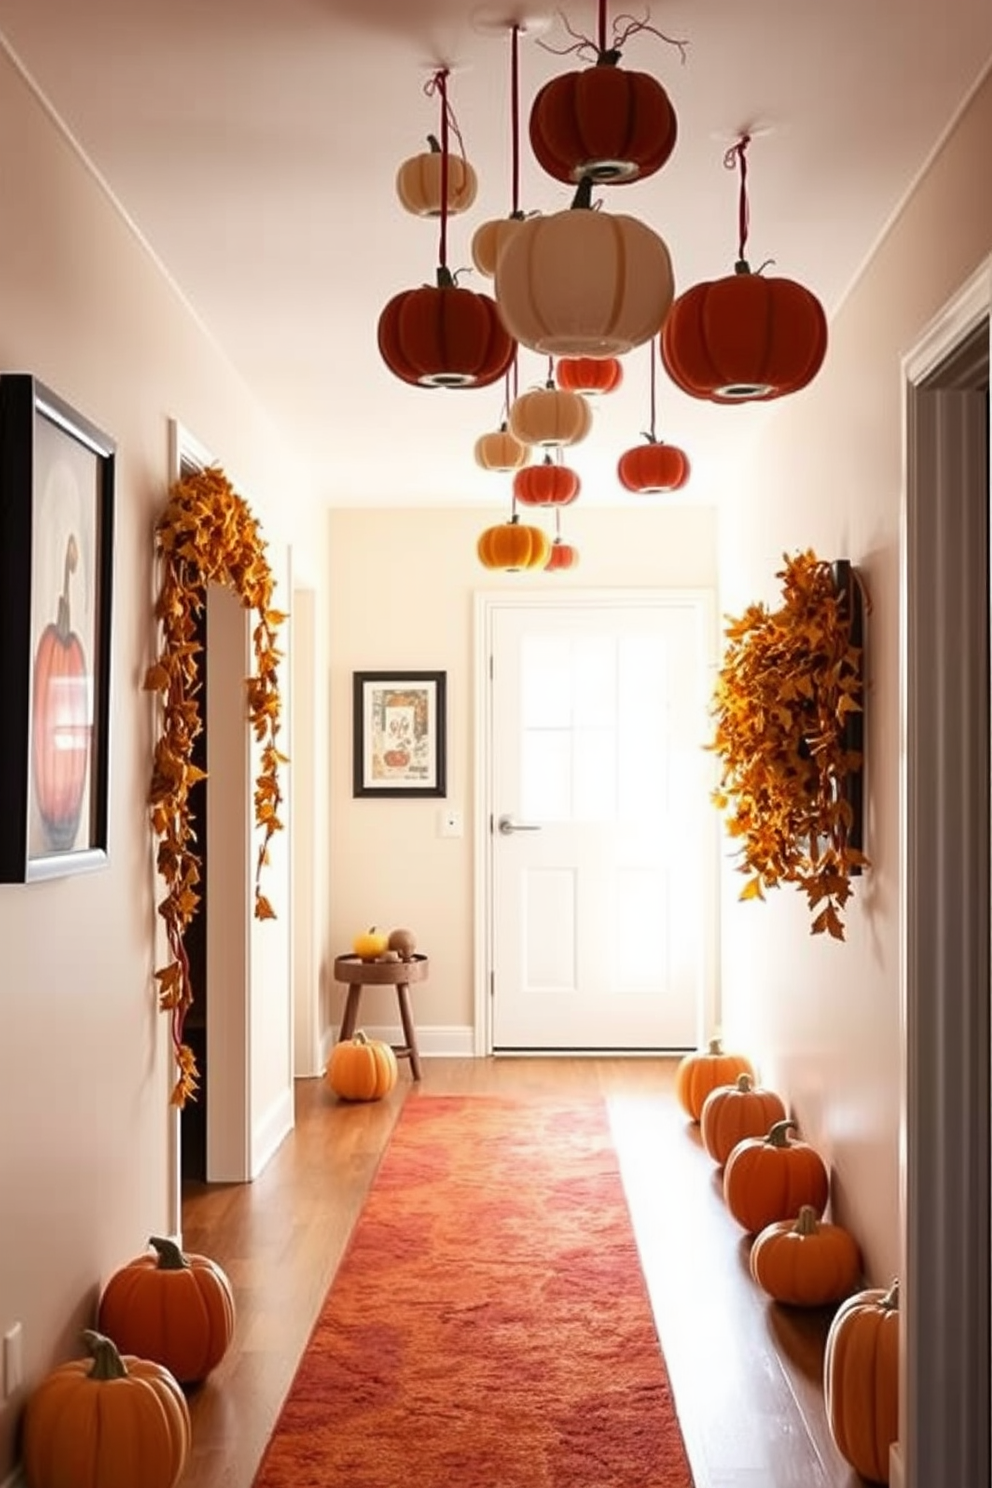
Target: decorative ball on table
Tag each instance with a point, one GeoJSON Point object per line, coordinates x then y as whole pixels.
{"type": "Point", "coordinates": [404, 942]}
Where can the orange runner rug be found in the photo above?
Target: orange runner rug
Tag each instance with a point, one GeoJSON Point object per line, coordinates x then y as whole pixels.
{"type": "Point", "coordinates": [489, 1324]}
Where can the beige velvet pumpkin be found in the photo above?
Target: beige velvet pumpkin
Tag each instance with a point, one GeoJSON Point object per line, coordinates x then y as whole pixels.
{"type": "Point", "coordinates": [500, 450]}
{"type": "Point", "coordinates": [418, 183]}
{"type": "Point", "coordinates": [550, 417]}
{"type": "Point", "coordinates": [488, 241]}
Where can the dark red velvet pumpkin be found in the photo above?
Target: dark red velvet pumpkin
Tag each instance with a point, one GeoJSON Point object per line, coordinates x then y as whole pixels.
{"type": "Point", "coordinates": [547, 484]}
{"type": "Point", "coordinates": [61, 725]}
{"type": "Point", "coordinates": [653, 467]}
{"type": "Point", "coordinates": [444, 336]}
{"type": "Point", "coordinates": [563, 555]}
{"type": "Point", "coordinates": [589, 374]}
{"type": "Point", "coordinates": [603, 122]}
{"type": "Point", "coordinates": [744, 338]}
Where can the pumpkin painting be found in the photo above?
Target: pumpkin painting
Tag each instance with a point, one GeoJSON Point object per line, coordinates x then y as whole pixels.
{"type": "Point", "coordinates": [361, 1068]}
{"type": "Point", "coordinates": [805, 1262]}
{"type": "Point", "coordinates": [704, 1070]}
{"type": "Point", "coordinates": [106, 1421]}
{"type": "Point", "coordinates": [61, 723]}
{"type": "Point", "coordinates": [174, 1308]}
{"type": "Point", "coordinates": [732, 1112]}
{"type": "Point", "coordinates": [861, 1380]}
{"type": "Point", "coordinates": [766, 1179]}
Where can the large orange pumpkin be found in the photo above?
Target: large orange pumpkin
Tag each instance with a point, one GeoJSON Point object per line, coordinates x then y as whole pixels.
{"type": "Point", "coordinates": [861, 1380]}
{"type": "Point", "coordinates": [702, 1071]}
{"type": "Point", "coordinates": [746, 337]}
{"type": "Point", "coordinates": [362, 1069]}
{"type": "Point", "coordinates": [106, 1421]}
{"type": "Point", "coordinates": [732, 1112]}
{"type": "Point", "coordinates": [769, 1178]}
{"type": "Point", "coordinates": [513, 545]}
{"type": "Point", "coordinates": [174, 1308]}
{"type": "Point", "coordinates": [603, 122]}
{"type": "Point", "coordinates": [805, 1262]}
{"type": "Point", "coordinates": [444, 336]}
{"type": "Point", "coordinates": [61, 723]}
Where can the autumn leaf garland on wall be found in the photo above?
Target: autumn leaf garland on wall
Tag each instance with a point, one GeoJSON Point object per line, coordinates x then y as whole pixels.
{"type": "Point", "coordinates": [206, 534]}
{"type": "Point", "coordinates": [789, 681]}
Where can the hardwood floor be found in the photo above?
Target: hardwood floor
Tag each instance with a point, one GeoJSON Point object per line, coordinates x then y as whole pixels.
{"type": "Point", "coordinates": [745, 1372]}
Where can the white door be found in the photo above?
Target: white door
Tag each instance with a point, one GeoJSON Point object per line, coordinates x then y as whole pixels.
{"type": "Point", "coordinates": [602, 834]}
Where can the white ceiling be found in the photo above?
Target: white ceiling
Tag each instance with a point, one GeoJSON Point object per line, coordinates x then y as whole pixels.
{"type": "Point", "coordinates": [254, 143]}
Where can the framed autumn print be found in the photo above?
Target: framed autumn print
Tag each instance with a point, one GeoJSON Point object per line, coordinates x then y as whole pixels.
{"type": "Point", "coordinates": [399, 733]}
{"type": "Point", "coordinates": [56, 580]}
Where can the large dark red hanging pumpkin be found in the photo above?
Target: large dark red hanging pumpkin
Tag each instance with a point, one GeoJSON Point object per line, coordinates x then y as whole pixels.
{"type": "Point", "coordinates": [604, 123]}
{"type": "Point", "coordinates": [589, 375]}
{"type": "Point", "coordinates": [546, 484]}
{"type": "Point", "coordinates": [745, 338]}
{"type": "Point", "coordinates": [650, 468]}
{"type": "Point", "coordinates": [61, 724]}
{"type": "Point", "coordinates": [444, 336]}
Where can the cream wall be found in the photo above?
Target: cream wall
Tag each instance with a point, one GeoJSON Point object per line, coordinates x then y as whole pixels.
{"type": "Point", "coordinates": [86, 1074]}
{"type": "Point", "coordinates": [822, 1016]}
{"type": "Point", "coordinates": [402, 587]}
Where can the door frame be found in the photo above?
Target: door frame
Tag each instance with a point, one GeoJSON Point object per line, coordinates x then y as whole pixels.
{"type": "Point", "coordinates": [487, 604]}
{"type": "Point", "coordinates": [944, 1153]}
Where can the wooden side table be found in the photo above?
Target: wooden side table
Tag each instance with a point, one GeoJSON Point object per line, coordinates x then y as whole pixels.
{"type": "Point", "coordinates": [357, 974]}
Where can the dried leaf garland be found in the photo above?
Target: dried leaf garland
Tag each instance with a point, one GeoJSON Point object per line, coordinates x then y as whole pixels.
{"type": "Point", "coordinates": [788, 681]}
{"type": "Point", "coordinates": [206, 534]}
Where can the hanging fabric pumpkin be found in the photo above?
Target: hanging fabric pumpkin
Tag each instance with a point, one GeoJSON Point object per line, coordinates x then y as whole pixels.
{"type": "Point", "coordinates": [489, 239]}
{"type": "Point", "coordinates": [589, 375]}
{"type": "Point", "coordinates": [550, 417]}
{"type": "Point", "coordinates": [563, 555]}
{"type": "Point", "coordinates": [584, 283]}
{"type": "Point", "coordinates": [653, 468]}
{"type": "Point", "coordinates": [419, 188]}
{"type": "Point", "coordinates": [444, 336]}
{"type": "Point", "coordinates": [513, 546]}
{"type": "Point", "coordinates": [547, 484]}
{"type": "Point", "coordinates": [500, 450]}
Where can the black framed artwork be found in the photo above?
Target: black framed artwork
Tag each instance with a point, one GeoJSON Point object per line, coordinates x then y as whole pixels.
{"type": "Point", "coordinates": [399, 733]}
{"type": "Point", "coordinates": [56, 585]}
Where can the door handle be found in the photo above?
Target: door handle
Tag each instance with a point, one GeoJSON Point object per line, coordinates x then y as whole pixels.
{"type": "Point", "coordinates": [507, 825]}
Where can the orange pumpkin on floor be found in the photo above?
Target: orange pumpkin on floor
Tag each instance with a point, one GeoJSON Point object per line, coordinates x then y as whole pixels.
{"type": "Point", "coordinates": [861, 1380]}
{"type": "Point", "coordinates": [704, 1070]}
{"type": "Point", "coordinates": [766, 1179]}
{"type": "Point", "coordinates": [732, 1112]}
{"type": "Point", "coordinates": [805, 1263]}
{"type": "Point", "coordinates": [106, 1420]}
{"type": "Point", "coordinates": [174, 1308]}
{"type": "Point", "coordinates": [362, 1069]}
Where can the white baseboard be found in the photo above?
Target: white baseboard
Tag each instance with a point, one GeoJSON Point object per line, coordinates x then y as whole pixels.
{"type": "Point", "coordinates": [271, 1131]}
{"type": "Point", "coordinates": [437, 1041]}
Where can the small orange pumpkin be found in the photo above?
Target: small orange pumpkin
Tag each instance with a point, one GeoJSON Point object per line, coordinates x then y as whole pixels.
{"type": "Point", "coordinates": [174, 1308]}
{"type": "Point", "coordinates": [513, 545]}
{"type": "Point", "coordinates": [547, 484]}
{"type": "Point", "coordinates": [652, 468]}
{"type": "Point", "coordinates": [563, 555]}
{"type": "Point", "coordinates": [106, 1420]}
{"type": "Point", "coordinates": [861, 1380]}
{"type": "Point", "coordinates": [362, 1069]}
{"type": "Point", "coordinates": [702, 1071]}
{"type": "Point", "coordinates": [805, 1262]}
{"type": "Point", "coordinates": [769, 1178]}
{"type": "Point", "coordinates": [589, 375]}
{"type": "Point", "coordinates": [732, 1112]}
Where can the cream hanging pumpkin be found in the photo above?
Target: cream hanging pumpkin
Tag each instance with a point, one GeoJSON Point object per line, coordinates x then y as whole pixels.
{"type": "Point", "coordinates": [550, 416]}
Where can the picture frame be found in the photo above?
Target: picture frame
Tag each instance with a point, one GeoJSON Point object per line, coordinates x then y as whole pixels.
{"type": "Point", "coordinates": [399, 733]}
{"type": "Point", "coordinates": [57, 473]}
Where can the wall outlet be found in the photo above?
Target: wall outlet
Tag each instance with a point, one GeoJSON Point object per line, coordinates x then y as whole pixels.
{"type": "Point", "coordinates": [13, 1360]}
{"type": "Point", "coordinates": [449, 822]}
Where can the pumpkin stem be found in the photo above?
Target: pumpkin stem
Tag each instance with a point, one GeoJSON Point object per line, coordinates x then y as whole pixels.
{"type": "Point", "coordinates": [170, 1257]}
{"type": "Point", "coordinates": [445, 280]}
{"type": "Point", "coordinates": [891, 1299]}
{"type": "Point", "coordinates": [608, 58]}
{"type": "Point", "coordinates": [778, 1136]}
{"type": "Point", "coordinates": [650, 437]}
{"type": "Point", "coordinates": [361, 1037]}
{"type": "Point", "coordinates": [583, 194]}
{"type": "Point", "coordinates": [432, 140]}
{"type": "Point", "coordinates": [715, 1046]}
{"type": "Point", "coordinates": [742, 266]}
{"type": "Point", "coordinates": [63, 624]}
{"type": "Point", "coordinates": [744, 1084]}
{"type": "Point", "coordinates": [107, 1362]}
{"type": "Point", "coordinates": [807, 1222]}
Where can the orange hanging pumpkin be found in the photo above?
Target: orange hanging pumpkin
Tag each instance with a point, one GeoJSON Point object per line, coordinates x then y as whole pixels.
{"type": "Point", "coordinates": [861, 1380]}
{"type": "Point", "coordinates": [362, 1069]}
{"type": "Point", "coordinates": [547, 484]}
{"type": "Point", "coordinates": [805, 1262]}
{"type": "Point", "coordinates": [702, 1071]}
{"type": "Point", "coordinates": [106, 1421]}
{"type": "Point", "coordinates": [589, 375]}
{"type": "Point", "coordinates": [61, 723]}
{"type": "Point", "coordinates": [746, 337]}
{"type": "Point", "coordinates": [769, 1178]}
{"type": "Point", "coordinates": [652, 468]}
{"type": "Point", "coordinates": [418, 182]}
{"type": "Point", "coordinates": [603, 122]}
{"type": "Point", "coordinates": [563, 555]}
{"type": "Point", "coordinates": [444, 336]}
{"type": "Point", "coordinates": [513, 546]}
{"type": "Point", "coordinates": [174, 1308]}
{"type": "Point", "coordinates": [732, 1112]}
